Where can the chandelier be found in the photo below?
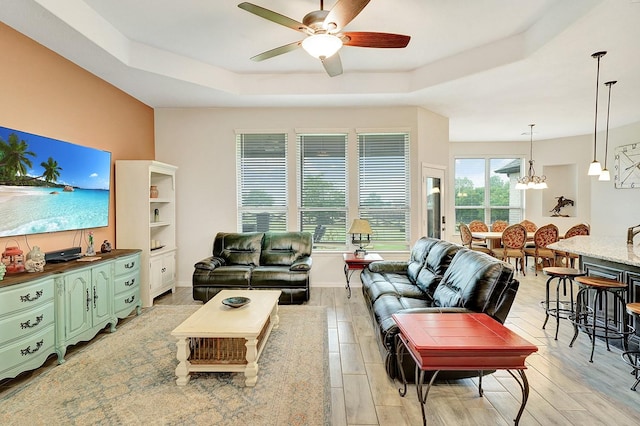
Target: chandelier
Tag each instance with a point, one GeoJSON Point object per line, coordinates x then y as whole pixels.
{"type": "Point", "coordinates": [531, 181]}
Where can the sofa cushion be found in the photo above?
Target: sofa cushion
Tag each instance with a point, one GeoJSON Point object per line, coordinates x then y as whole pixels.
{"type": "Point", "coordinates": [284, 248]}
{"type": "Point", "coordinates": [435, 265]}
{"type": "Point", "coordinates": [473, 281]}
{"type": "Point", "coordinates": [419, 253]}
{"type": "Point", "coordinates": [238, 248]}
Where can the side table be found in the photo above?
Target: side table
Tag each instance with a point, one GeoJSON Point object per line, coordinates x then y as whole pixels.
{"type": "Point", "coordinates": [460, 341]}
{"type": "Point", "coordinates": [353, 263]}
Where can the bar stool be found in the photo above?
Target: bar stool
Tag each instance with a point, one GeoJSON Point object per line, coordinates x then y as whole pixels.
{"type": "Point", "coordinates": [595, 319]}
{"type": "Point", "coordinates": [633, 357]}
{"type": "Point", "coordinates": [563, 308]}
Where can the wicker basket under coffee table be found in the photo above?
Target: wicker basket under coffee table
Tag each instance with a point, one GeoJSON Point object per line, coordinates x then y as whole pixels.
{"type": "Point", "coordinates": [219, 338]}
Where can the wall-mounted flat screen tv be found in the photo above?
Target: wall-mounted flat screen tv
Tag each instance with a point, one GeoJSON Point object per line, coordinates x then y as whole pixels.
{"type": "Point", "coordinates": [48, 185]}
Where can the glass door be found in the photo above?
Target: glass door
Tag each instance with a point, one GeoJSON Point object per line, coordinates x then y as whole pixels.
{"type": "Point", "coordinates": [432, 195]}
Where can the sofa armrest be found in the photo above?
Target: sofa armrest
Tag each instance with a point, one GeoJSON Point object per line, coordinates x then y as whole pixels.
{"type": "Point", "coordinates": [388, 266]}
{"type": "Point", "coordinates": [302, 264]}
{"type": "Point", "coordinates": [210, 263]}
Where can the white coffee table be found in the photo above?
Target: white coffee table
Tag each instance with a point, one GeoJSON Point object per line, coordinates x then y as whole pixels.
{"type": "Point", "coordinates": [218, 338]}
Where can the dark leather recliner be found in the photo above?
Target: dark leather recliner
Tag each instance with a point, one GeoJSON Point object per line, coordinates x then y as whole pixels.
{"type": "Point", "coordinates": [439, 277]}
{"type": "Point", "coordinates": [256, 260]}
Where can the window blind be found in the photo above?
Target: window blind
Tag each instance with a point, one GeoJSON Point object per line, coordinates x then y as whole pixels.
{"type": "Point", "coordinates": [262, 182]}
{"type": "Point", "coordinates": [322, 187]}
{"type": "Point", "coordinates": [384, 188]}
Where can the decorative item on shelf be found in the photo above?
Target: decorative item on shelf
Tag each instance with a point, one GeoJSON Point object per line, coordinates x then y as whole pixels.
{"type": "Point", "coordinates": [361, 236]}
{"type": "Point", "coordinates": [3, 270]}
{"type": "Point", "coordinates": [156, 215]}
{"type": "Point", "coordinates": [153, 191]}
{"type": "Point", "coordinates": [13, 259]}
{"type": "Point", "coordinates": [35, 260]}
{"type": "Point", "coordinates": [90, 248]}
{"type": "Point", "coordinates": [595, 168]}
{"type": "Point", "coordinates": [605, 175]}
{"type": "Point", "coordinates": [531, 181]}
{"type": "Point", "coordinates": [562, 202]}
{"type": "Point", "coordinates": [105, 247]}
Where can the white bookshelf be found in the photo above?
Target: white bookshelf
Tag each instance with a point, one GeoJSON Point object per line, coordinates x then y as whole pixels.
{"type": "Point", "coordinates": [138, 227]}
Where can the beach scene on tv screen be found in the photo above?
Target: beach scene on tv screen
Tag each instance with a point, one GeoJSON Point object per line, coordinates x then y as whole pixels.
{"type": "Point", "coordinates": [48, 185]}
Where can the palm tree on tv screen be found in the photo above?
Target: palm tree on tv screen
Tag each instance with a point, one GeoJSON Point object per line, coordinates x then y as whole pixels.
{"type": "Point", "coordinates": [14, 159]}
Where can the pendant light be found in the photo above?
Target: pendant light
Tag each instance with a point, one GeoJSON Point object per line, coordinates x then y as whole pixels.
{"type": "Point", "coordinates": [531, 181]}
{"type": "Point", "coordinates": [594, 168]}
{"type": "Point", "coordinates": [605, 173]}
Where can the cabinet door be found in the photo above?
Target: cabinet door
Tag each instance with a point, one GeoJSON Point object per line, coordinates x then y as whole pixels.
{"type": "Point", "coordinates": [155, 275]}
{"type": "Point", "coordinates": [168, 269]}
{"type": "Point", "coordinates": [77, 303]}
{"type": "Point", "coordinates": [101, 293]}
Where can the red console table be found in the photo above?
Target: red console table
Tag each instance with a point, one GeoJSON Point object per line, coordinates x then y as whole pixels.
{"type": "Point", "coordinates": [460, 341]}
{"type": "Point", "coordinates": [353, 263]}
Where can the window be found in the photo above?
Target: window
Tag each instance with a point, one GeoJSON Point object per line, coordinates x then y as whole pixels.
{"type": "Point", "coordinates": [383, 188]}
{"type": "Point", "coordinates": [262, 182]}
{"type": "Point", "coordinates": [322, 188]}
{"type": "Point", "coordinates": [485, 190]}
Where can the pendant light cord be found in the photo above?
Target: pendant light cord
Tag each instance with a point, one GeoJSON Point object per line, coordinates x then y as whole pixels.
{"type": "Point", "coordinates": [606, 140]}
{"type": "Point", "coordinates": [596, 55]}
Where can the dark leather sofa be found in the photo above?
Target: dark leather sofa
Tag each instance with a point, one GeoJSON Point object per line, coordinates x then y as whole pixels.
{"type": "Point", "coordinates": [256, 260]}
{"type": "Point", "coordinates": [439, 277]}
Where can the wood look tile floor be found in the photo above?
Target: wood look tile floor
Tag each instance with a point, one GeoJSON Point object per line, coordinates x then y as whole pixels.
{"type": "Point", "coordinates": [565, 388]}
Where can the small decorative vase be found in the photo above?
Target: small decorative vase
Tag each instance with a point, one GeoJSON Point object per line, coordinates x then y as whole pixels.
{"type": "Point", "coordinates": [3, 270]}
{"type": "Point", "coordinates": [153, 191]}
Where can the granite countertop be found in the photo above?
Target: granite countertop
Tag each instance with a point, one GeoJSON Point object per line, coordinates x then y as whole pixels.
{"type": "Point", "coordinates": [613, 249]}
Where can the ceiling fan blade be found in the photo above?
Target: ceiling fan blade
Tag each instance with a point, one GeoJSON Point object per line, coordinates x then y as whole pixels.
{"type": "Point", "coordinates": [275, 17]}
{"type": "Point", "coordinates": [342, 13]}
{"type": "Point", "coordinates": [332, 65]}
{"type": "Point", "coordinates": [277, 51]}
{"type": "Point", "coordinates": [380, 40]}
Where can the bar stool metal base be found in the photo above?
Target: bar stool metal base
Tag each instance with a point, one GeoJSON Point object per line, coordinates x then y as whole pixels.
{"type": "Point", "coordinates": [632, 358]}
{"type": "Point", "coordinates": [601, 325]}
{"type": "Point", "coordinates": [564, 309]}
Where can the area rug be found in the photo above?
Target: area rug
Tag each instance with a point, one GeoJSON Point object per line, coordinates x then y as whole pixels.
{"type": "Point", "coordinates": [127, 378]}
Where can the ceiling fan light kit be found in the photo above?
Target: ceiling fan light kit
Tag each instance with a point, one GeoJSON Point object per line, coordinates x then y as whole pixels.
{"type": "Point", "coordinates": [324, 33]}
{"type": "Point", "coordinates": [322, 45]}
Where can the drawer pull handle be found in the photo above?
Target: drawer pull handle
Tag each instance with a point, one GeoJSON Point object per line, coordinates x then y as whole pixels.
{"type": "Point", "coordinates": [130, 299]}
{"type": "Point", "coordinates": [29, 351]}
{"type": "Point", "coordinates": [130, 265]}
{"type": "Point", "coordinates": [28, 298]}
{"type": "Point", "coordinates": [130, 283]}
{"type": "Point", "coordinates": [28, 324]}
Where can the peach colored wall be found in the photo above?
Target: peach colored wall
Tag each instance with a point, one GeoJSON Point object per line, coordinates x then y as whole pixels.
{"type": "Point", "coordinates": [45, 94]}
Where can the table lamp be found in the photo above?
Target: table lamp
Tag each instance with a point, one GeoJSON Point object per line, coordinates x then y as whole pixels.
{"type": "Point", "coordinates": [360, 235]}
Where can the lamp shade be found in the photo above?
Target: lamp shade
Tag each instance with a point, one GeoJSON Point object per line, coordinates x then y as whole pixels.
{"type": "Point", "coordinates": [360, 226]}
{"type": "Point", "coordinates": [321, 45]}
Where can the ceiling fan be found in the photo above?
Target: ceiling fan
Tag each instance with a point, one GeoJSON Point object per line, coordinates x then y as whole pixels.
{"type": "Point", "coordinates": [324, 33]}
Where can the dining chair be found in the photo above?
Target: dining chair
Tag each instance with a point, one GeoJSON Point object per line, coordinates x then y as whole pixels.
{"type": "Point", "coordinates": [579, 229]}
{"type": "Point", "coordinates": [479, 226]}
{"type": "Point", "coordinates": [544, 236]}
{"type": "Point", "coordinates": [467, 240]}
{"type": "Point", "coordinates": [513, 240]}
{"type": "Point", "coordinates": [499, 225]}
{"type": "Point", "coordinates": [529, 226]}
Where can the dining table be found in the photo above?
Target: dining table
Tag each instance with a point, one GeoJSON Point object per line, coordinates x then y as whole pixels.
{"type": "Point", "coordinates": [494, 238]}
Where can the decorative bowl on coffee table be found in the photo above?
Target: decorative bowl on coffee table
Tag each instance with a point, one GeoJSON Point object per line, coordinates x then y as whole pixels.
{"type": "Point", "coordinates": [236, 302]}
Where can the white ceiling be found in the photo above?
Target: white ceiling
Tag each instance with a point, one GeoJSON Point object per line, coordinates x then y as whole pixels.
{"type": "Point", "coordinates": [491, 66]}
